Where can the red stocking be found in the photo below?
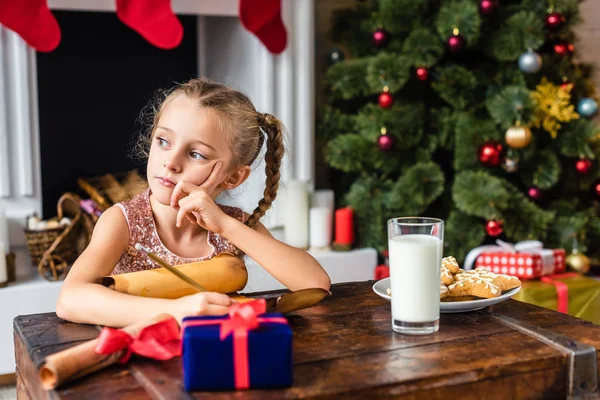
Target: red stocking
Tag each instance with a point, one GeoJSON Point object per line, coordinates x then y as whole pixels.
{"type": "Point", "coordinates": [33, 21]}
{"type": "Point", "coordinates": [154, 20]}
{"type": "Point", "coordinates": [263, 18]}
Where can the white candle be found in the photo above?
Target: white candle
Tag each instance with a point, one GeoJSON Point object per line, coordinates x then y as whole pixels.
{"type": "Point", "coordinates": [323, 198]}
{"type": "Point", "coordinates": [3, 266]}
{"type": "Point", "coordinates": [320, 225]}
{"type": "Point", "coordinates": [296, 214]}
{"type": "Point", "coordinates": [415, 277]}
{"type": "Point", "coordinates": [3, 227]}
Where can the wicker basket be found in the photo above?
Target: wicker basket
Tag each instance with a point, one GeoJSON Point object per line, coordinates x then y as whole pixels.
{"type": "Point", "coordinates": [53, 250]}
{"type": "Point", "coordinates": [38, 241]}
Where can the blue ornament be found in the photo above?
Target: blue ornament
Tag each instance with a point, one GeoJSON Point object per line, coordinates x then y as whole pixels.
{"type": "Point", "coordinates": [530, 62]}
{"type": "Point", "coordinates": [587, 107]}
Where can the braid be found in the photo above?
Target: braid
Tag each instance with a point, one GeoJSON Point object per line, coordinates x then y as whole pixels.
{"type": "Point", "coordinates": [273, 128]}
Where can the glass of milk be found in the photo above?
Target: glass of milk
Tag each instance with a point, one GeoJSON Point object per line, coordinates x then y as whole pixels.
{"type": "Point", "coordinates": [415, 255]}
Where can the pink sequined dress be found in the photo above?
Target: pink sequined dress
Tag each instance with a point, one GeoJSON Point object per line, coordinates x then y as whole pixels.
{"type": "Point", "coordinates": [142, 229]}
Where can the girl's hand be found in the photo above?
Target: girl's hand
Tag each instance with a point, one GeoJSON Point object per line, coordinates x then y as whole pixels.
{"type": "Point", "coordinates": [205, 303]}
{"type": "Point", "coordinates": [196, 204]}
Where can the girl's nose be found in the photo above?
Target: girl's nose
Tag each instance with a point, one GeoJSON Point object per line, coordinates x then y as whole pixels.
{"type": "Point", "coordinates": [172, 165]}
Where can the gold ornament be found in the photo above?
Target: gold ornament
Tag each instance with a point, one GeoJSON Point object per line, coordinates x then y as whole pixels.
{"type": "Point", "coordinates": [578, 262]}
{"type": "Point", "coordinates": [553, 105]}
{"type": "Point", "coordinates": [518, 136]}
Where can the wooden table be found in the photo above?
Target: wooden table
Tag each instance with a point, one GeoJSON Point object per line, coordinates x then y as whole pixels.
{"type": "Point", "coordinates": [345, 348]}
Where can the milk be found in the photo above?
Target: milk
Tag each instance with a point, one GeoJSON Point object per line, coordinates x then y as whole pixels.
{"type": "Point", "coordinates": [415, 277]}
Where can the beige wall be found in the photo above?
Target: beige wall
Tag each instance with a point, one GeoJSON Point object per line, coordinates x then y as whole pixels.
{"type": "Point", "coordinates": [587, 47]}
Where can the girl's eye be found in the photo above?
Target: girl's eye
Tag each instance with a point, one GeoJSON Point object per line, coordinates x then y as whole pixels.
{"type": "Point", "coordinates": [197, 156]}
{"type": "Point", "coordinates": [162, 142]}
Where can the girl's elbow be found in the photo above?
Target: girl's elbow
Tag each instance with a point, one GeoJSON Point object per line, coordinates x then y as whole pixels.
{"type": "Point", "coordinates": [62, 308]}
{"type": "Point", "coordinates": [325, 282]}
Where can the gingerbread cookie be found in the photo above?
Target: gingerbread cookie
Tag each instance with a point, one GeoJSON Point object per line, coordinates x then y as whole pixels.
{"type": "Point", "coordinates": [451, 264]}
{"type": "Point", "coordinates": [474, 286]}
{"type": "Point", "coordinates": [504, 282]}
{"type": "Point", "coordinates": [446, 277]}
{"type": "Point", "coordinates": [443, 291]}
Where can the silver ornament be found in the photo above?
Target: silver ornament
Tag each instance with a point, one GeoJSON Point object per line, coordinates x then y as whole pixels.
{"type": "Point", "coordinates": [530, 62]}
{"type": "Point", "coordinates": [587, 107]}
{"type": "Point", "coordinates": [510, 165]}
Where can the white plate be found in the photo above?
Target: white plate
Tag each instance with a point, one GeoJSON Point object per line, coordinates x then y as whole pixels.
{"type": "Point", "coordinates": [380, 287]}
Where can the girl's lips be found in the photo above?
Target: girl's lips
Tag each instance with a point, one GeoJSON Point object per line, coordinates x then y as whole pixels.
{"type": "Point", "coordinates": [165, 182]}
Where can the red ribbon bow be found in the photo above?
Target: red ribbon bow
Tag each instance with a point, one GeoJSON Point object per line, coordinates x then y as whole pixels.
{"type": "Point", "coordinates": [243, 317]}
{"type": "Point", "coordinates": [159, 341]}
{"type": "Point", "coordinates": [562, 290]}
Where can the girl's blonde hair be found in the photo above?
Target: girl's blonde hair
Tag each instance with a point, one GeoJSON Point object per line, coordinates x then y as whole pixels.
{"type": "Point", "coordinates": [238, 118]}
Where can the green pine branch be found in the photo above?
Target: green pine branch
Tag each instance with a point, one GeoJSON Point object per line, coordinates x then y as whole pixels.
{"type": "Point", "coordinates": [543, 170]}
{"type": "Point", "coordinates": [461, 14]}
{"type": "Point", "coordinates": [386, 69]}
{"type": "Point", "coordinates": [462, 232]}
{"type": "Point", "coordinates": [511, 104]}
{"type": "Point", "coordinates": [455, 85]}
{"type": "Point", "coordinates": [521, 31]}
{"type": "Point", "coordinates": [347, 79]}
{"type": "Point", "coordinates": [423, 48]}
{"type": "Point", "coordinates": [416, 189]}
{"type": "Point", "coordinates": [404, 121]}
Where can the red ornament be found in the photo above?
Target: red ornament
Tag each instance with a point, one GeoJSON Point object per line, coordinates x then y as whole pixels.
{"type": "Point", "coordinates": [385, 142]}
{"type": "Point", "coordinates": [490, 154]}
{"type": "Point", "coordinates": [494, 228]}
{"type": "Point", "coordinates": [535, 194]}
{"type": "Point", "coordinates": [456, 43]}
{"type": "Point", "coordinates": [422, 74]}
{"type": "Point", "coordinates": [583, 166]}
{"type": "Point", "coordinates": [555, 21]}
{"type": "Point", "coordinates": [385, 100]}
{"type": "Point", "coordinates": [596, 189]}
{"type": "Point", "coordinates": [487, 7]}
{"type": "Point", "coordinates": [380, 38]}
{"type": "Point", "coordinates": [564, 49]}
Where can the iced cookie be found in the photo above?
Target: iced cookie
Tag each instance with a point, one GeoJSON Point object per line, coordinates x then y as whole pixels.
{"type": "Point", "coordinates": [504, 282]}
{"type": "Point", "coordinates": [446, 277]}
{"type": "Point", "coordinates": [474, 286]}
{"type": "Point", "coordinates": [451, 264]}
{"type": "Point", "coordinates": [443, 291]}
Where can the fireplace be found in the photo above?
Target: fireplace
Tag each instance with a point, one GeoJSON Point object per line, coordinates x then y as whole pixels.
{"type": "Point", "coordinates": [91, 90]}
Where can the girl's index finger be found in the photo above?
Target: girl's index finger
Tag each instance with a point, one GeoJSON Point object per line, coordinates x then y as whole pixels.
{"type": "Point", "coordinates": [211, 183]}
{"type": "Point", "coordinates": [182, 189]}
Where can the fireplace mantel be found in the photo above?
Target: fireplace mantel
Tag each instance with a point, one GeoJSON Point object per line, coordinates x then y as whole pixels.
{"type": "Point", "coordinates": [282, 85]}
{"type": "Point", "coordinates": [195, 7]}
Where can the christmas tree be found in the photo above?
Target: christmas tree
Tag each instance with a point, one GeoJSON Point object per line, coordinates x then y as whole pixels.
{"type": "Point", "coordinates": [473, 111]}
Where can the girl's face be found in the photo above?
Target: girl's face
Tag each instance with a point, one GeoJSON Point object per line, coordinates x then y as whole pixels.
{"type": "Point", "coordinates": [187, 144]}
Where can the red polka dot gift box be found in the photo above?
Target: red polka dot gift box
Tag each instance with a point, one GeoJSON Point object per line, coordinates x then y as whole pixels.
{"type": "Point", "coordinates": [523, 260]}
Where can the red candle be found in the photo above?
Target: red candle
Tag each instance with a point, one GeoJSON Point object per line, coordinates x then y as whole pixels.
{"type": "Point", "coordinates": [344, 226]}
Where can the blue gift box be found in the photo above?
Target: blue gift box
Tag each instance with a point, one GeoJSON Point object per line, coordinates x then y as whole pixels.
{"type": "Point", "coordinates": [208, 361]}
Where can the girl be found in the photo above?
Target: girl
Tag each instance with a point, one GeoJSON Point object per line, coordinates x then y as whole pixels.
{"type": "Point", "coordinates": [204, 138]}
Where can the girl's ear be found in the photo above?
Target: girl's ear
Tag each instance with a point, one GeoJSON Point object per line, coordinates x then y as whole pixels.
{"type": "Point", "coordinates": [236, 178]}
